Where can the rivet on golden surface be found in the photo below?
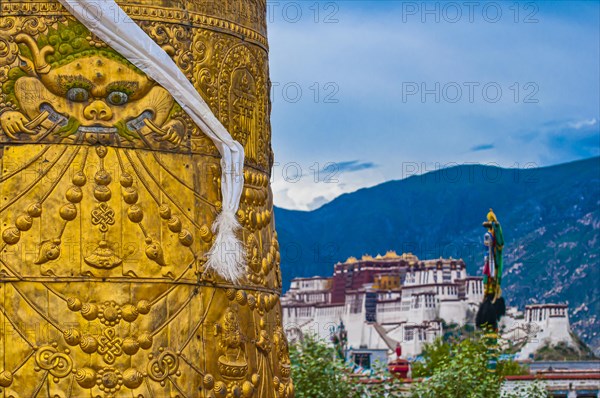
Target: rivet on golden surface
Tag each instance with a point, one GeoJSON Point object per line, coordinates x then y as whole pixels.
{"type": "Point", "coordinates": [174, 224]}
{"type": "Point", "coordinates": [130, 195]}
{"type": "Point", "coordinates": [68, 212]}
{"type": "Point", "coordinates": [24, 222]}
{"type": "Point", "coordinates": [102, 177]}
{"type": "Point", "coordinates": [72, 336]}
{"type": "Point", "coordinates": [135, 213]}
{"type": "Point", "coordinates": [11, 236]}
{"type": "Point", "coordinates": [79, 179]}
{"type": "Point", "coordinates": [143, 306]}
{"type": "Point", "coordinates": [6, 378]}
{"type": "Point", "coordinates": [164, 211]}
{"type": "Point", "coordinates": [102, 193]}
{"type": "Point", "coordinates": [74, 194]}
{"type": "Point", "coordinates": [74, 303]}
{"type": "Point", "coordinates": [186, 238]}
{"type": "Point", "coordinates": [145, 340]}
{"type": "Point", "coordinates": [89, 311]}
{"type": "Point", "coordinates": [126, 180]}
{"type": "Point", "coordinates": [88, 344]}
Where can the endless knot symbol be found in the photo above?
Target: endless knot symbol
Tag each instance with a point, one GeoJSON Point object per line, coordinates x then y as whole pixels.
{"type": "Point", "coordinates": [103, 216]}
{"type": "Point", "coordinates": [109, 346]}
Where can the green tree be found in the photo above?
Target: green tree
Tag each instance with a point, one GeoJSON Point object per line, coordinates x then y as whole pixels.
{"type": "Point", "coordinates": [433, 356]}
{"type": "Point", "coordinates": [511, 368]}
{"type": "Point", "coordinates": [459, 370]}
{"type": "Point", "coordinates": [450, 369]}
{"type": "Point", "coordinates": [319, 373]}
{"type": "Point", "coordinates": [462, 373]}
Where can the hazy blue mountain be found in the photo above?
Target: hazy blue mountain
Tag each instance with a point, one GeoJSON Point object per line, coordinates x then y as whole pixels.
{"type": "Point", "coordinates": [550, 217]}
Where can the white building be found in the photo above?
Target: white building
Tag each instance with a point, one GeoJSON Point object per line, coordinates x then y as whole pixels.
{"type": "Point", "coordinates": [383, 301]}
{"type": "Point", "coordinates": [542, 324]}
{"type": "Point", "coordinates": [391, 299]}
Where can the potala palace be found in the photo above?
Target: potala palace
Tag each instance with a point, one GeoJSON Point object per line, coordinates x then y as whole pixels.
{"type": "Point", "coordinates": [391, 299]}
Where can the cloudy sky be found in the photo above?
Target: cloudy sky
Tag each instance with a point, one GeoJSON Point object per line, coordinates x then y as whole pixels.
{"type": "Point", "coordinates": [366, 92]}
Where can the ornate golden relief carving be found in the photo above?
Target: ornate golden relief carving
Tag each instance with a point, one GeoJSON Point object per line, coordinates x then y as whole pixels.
{"type": "Point", "coordinates": [107, 195]}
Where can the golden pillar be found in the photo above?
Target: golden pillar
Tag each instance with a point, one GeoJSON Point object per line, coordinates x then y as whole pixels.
{"type": "Point", "coordinates": [108, 192]}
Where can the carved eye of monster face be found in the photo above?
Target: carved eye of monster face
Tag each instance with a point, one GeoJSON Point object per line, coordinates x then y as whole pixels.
{"type": "Point", "coordinates": [78, 94]}
{"type": "Point", "coordinates": [117, 98]}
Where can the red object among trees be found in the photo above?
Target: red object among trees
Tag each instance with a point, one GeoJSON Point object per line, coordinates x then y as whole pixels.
{"type": "Point", "coordinates": [399, 368]}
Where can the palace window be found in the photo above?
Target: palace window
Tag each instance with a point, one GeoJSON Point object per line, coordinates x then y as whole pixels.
{"type": "Point", "coordinates": [356, 305]}
{"type": "Point", "coordinates": [417, 302]}
{"type": "Point", "coordinates": [447, 277]}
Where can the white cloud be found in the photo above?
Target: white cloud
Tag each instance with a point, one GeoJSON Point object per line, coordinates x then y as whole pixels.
{"type": "Point", "coordinates": [583, 123]}
{"type": "Point", "coordinates": [311, 191]}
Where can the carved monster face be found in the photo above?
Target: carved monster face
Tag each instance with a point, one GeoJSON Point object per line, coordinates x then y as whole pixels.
{"type": "Point", "coordinates": [100, 93]}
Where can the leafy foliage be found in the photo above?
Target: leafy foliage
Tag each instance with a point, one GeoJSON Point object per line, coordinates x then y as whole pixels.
{"type": "Point", "coordinates": [450, 369]}
{"type": "Point", "coordinates": [438, 352]}
{"type": "Point", "coordinates": [459, 370]}
{"type": "Point", "coordinates": [510, 368]}
{"type": "Point", "coordinates": [434, 355]}
{"type": "Point", "coordinates": [319, 373]}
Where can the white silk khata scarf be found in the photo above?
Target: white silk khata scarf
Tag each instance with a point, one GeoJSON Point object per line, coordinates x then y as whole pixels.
{"type": "Point", "coordinates": [105, 19]}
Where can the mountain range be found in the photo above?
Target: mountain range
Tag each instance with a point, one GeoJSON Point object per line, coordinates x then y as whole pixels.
{"type": "Point", "coordinates": [550, 217]}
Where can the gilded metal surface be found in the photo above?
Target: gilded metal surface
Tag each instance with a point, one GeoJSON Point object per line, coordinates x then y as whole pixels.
{"type": "Point", "coordinates": [107, 194]}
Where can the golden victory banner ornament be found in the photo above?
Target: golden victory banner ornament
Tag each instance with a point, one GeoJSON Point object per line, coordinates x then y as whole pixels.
{"type": "Point", "coordinates": [121, 202]}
